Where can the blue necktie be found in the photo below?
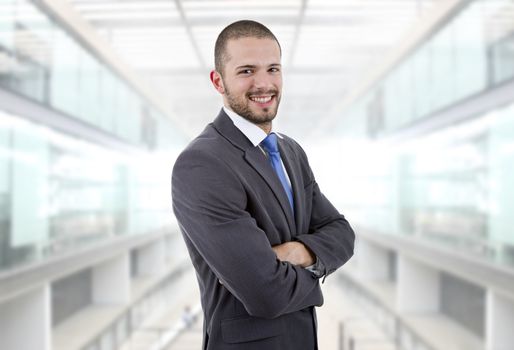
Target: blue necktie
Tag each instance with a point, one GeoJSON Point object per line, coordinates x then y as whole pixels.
{"type": "Point", "coordinates": [271, 146]}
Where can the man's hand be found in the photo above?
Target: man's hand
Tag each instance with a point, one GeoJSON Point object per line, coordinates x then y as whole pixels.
{"type": "Point", "coordinates": [295, 252]}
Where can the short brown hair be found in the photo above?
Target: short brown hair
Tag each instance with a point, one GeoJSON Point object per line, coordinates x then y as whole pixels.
{"type": "Point", "coordinates": [237, 30]}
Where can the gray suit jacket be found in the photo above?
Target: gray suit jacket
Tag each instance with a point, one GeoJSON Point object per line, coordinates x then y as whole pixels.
{"type": "Point", "coordinates": [232, 209]}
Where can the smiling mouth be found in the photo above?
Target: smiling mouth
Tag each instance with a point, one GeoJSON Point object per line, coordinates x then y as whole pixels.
{"type": "Point", "coordinates": [261, 99]}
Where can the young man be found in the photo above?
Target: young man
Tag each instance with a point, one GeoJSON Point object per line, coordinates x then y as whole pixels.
{"type": "Point", "coordinates": [259, 231]}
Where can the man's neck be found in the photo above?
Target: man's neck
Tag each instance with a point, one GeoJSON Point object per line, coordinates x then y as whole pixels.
{"type": "Point", "coordinates": [265, 126]}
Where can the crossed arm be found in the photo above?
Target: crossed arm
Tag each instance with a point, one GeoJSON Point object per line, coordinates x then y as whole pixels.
{"type": "Point", "coordinates": [209, 203]}
{"type": "Point", "coordinates": [295, 253]}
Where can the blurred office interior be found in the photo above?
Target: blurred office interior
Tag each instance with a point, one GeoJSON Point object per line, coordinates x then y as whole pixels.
{"type": "Point", "coordinates": [404, 107]}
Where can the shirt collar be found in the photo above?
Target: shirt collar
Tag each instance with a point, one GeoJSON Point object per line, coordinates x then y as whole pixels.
{"type": "Point", "coordinates": [255, 134]}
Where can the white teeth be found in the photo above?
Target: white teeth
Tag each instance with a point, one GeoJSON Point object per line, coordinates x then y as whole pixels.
{"type": "Point", "coordinates": [261, 99]}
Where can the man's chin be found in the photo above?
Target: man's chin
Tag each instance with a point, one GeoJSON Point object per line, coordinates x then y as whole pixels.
{"type": "Point", "coordinates": [257, 117]}
{"type": "Point", "coordinates": [261, 119]}
{"type": "Point", "coordinates": [265, 116]}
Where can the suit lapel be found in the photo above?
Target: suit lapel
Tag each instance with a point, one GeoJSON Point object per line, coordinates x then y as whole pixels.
{"type": "Point", "coordinates": [294, 172]}
{"type": "Point", "coordinates": [258, 161]}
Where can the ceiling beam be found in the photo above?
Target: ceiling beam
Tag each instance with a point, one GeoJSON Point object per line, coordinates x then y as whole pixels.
{"type": "Point", "coordinates": [190, 34]}
{"type": "Point", "coordinates": [298, 28]}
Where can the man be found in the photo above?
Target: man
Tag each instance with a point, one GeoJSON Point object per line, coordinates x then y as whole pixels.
{"type": "Point", "coordinates": [259, 231]}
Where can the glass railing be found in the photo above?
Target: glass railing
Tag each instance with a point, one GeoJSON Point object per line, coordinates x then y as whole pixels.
{"type": "Point", "coordinates": [59, 193]}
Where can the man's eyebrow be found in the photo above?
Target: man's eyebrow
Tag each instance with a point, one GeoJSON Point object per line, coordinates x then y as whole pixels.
{"type": "Point", "coordinates": [253, 66]}
{"type": "Point", "coordinates": [246, 66]}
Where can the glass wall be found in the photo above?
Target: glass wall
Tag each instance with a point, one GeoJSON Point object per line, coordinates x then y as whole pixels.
{"type": "Point", "coordinates": [468, 55]}
{"type": "Point", "coordinates": [41, 61]}
{"type": "Point", "coordinates": [59, 193]}
{"type": "Point", "coordinates": [453, 187]}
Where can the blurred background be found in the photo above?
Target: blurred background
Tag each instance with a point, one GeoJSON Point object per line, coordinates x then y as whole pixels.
{"type": "Point", "coordinates": [404, 107]}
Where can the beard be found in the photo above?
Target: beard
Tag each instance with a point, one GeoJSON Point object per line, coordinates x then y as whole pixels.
{"type": "Point", "coordinates": [241, 105]}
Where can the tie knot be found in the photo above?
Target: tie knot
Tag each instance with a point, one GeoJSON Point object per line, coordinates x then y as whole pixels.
{"type": "Point", "coordinates": [270, 143]}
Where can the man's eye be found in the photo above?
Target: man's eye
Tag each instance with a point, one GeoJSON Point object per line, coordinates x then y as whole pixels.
{"type": "Point", "coordinates": [274, 70]}
{"type": "Point", "coordinates": [246, 71]}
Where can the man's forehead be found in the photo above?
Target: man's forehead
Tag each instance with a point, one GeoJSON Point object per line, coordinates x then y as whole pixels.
{"type": "Point", "coordinates": [252, 43]}
{"type": "Point", "coordinates": [253, 51]}
{"type": "Point", "coordinates": [256, 38]}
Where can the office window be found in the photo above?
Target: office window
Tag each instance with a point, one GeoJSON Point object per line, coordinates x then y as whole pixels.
{"type": "Point", "coordinates": [499, 34]}
{"type": "Point", "coordinates": [398, 97]}
{"type": "Point", "coordinates": [110, 99]}
{"type": "Point", "coordinates": [32, 51]}
{"type": "Point", "coordinates": [88, 88]}
{"type": "Point", "coordinates": [29, 189]}
{"type": "Point", "coordinates": [500, 162]}
{"type": "Point", "coordinates": [422, 81]}
{"type": "Point", "coordinates": [502, 59]}
{"type": "Point", "coordinates": [442, 68]}
{"type": "Point", "coordinates": [7, 59]}
{"type": "Point", "coordinates": [64, 75]}
{"type": "Point", "coordinates": [7, 9]}
{"type": "Point", "coordinates": [470, 52]}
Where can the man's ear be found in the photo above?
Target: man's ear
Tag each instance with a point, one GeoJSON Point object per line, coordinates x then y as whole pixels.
{"type": "Point", "coordinates": [217, 81]}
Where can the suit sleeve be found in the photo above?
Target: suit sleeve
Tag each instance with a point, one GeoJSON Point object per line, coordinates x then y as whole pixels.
{"type": "Point", "coordinates": [209, 202]}
{"type": "Point", "coordinates": [330, 236]}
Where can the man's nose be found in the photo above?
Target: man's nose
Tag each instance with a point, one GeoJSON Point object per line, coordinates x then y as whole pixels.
{"type": "Point", "coordinates": [263, 80]}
